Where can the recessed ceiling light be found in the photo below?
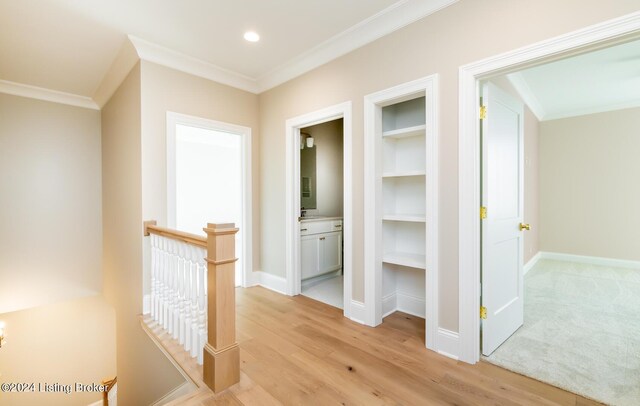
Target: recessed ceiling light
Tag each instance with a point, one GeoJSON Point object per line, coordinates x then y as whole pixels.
{"type": "Point", "coordinates": [251, 36]}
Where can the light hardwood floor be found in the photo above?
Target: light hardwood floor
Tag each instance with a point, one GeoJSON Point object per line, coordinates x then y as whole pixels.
{"type": "Point", "coordinates": [296, 351]}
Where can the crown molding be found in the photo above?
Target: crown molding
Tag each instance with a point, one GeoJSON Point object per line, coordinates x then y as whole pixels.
{"type": "Point", "coordinates": [385, 22]}
{"type": "Point", "coordinates": [40, 93]}
{"type": "Point", "coordinates": [592, 110]}
{"type": "Point", "coordinates": [521, 85]}
{"type": "Point", "coordinates": [151, 52]}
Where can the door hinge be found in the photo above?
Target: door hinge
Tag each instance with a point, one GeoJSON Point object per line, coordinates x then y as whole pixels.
{"type": "Point", "coordinates": [483, 312]}
{"type": "Point", "coordinates": [483, 112]}
{"type": "Point", "coordinates": [483, 213]}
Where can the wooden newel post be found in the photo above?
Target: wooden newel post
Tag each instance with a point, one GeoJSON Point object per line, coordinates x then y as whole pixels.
{"type": "Point", "coordinates": [221, 353]}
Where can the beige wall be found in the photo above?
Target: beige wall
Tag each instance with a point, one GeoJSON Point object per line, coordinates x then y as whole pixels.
{"type": "Point", "coordinates": [328, 141]}
{"type": "Point", "coordinates": [465, 32]}
{"type": "Point", "coordinates": [68, 342]}
{"type": "Point", "coordinates": [144, 372]}
{"type": "Point", "coordinates": [531, 171]}
{"type": "Point", "coordinates": [590, 197]}
{"type": "Point", "coordinates": [49, 186]}
{"type": "Point", "coordinates": [165, 89]}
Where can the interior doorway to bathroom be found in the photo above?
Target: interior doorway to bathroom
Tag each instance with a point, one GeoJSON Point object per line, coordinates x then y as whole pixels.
{"type": "Point", "coordinates": [321, 212]}
{"type": "Point", "coordinates": [297, 132]}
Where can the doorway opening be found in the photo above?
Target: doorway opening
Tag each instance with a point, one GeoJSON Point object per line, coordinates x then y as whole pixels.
{"type": "Point", "coordinates": [321, 212]}
{"type": "Point", "coordinates": [209, 180]}
{"type": "Point", "coordinates": [570, 323]}
{"type": "Point", "coordinates": [604, 34]}
{"type": "Point", "coordinates": [303, 238]}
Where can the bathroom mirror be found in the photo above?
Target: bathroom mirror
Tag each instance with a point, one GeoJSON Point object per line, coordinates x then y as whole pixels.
{"type": "Point", "coordinates": [308, 177]}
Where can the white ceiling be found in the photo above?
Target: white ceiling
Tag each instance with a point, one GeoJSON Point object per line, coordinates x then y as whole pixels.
{"type": "Point", "coordinates": [602, 80]}
{"type": "Point", "coordinates": [69, 45]}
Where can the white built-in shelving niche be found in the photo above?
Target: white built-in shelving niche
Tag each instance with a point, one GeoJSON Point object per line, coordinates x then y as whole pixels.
{"type": "Point", "coordinates": [404, 206]}
{"type": "Point", "coordinates": [401, 203]}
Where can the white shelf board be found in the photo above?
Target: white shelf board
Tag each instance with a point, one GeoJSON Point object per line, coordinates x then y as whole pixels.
{"type": "Point", "coordinates": [405, 132]}
{"type": "Point", "coordinates": [403, 173]}
{"type": "Point", "coordinates": [413, 218]}
{"type": "Point", "coordinates": [405, 259]}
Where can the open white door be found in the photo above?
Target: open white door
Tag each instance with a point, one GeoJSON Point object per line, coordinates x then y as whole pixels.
{"type": "Point", "coordinates": [502, 196]}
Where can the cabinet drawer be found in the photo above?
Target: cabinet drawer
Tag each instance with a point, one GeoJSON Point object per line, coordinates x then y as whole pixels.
{"type": "Point", "coordinates": [336, 225]}
{"type": "Point", "coordinates": [317, 227]}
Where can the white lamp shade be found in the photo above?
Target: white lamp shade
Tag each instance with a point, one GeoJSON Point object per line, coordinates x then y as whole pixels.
{"type": "Point", "coordinates": [310, 142]}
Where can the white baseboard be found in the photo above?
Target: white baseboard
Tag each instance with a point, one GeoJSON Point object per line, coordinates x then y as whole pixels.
{"type": "Point", "coordinates": [532, 262]}
{"type": "Point", "coordinates": [178, 392]}
{"type": "Point", "coordinates": [319, 279]}
{"type": "Point", "coordinates": [270, 281]}
{"type": "Point", "coordinates": [146, 304]}
{"type": "Point", "coordinates": [583, 259]}
{"type": "Point", "coordinates": [358, 312]}
{"type": "Point", "coordinates": [389, 304]}
{"type": "Point", "coordinates": [413, 305]}
{"type": "Point", "coordinates": [448, 343]}
{"type": "Point", "coordinates": [399, 301]}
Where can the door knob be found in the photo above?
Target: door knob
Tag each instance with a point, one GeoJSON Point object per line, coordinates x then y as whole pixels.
{"type": "Point", "coordinates": [524, 226]}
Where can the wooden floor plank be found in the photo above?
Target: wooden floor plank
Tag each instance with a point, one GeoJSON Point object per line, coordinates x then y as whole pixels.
{"type": "Point", "coordinates": [297, 351]}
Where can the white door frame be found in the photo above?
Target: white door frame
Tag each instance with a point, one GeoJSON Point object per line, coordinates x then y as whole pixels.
{"type": "Point", "coordinates": [247, 202]}
{"type": "Point", "coordinates": [373, 104]}
{"type": "Point", "coordinates": [608, 32]}
{"type": "Point", "coordinates": [292, 251]}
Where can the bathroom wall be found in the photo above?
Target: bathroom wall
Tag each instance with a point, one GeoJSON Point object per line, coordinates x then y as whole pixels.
{"type": "Point", "coordinates": [328, 142]}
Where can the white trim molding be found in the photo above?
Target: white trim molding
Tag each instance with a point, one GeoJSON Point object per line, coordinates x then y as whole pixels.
{"type": "Point", "coordinates": [392, 18]}
{"type": "Point", "coordinates": [385, 22]}
{"type": "Point", "coordinates": [373, 104]}
{"type": "Point", "coordinates": [448, 343]}
{"type": "Point", "coordinates": [357, 312]}
{"type": "Point", "coordinates": [269, 281]}
{"type": "Point", "coordinates": [531, 263]}
{"type": "Point", "coordinates": [607, 32]}
{"type": "Point", "coordinates": [40, 93]}
{"type": "Point", "coordinates": [151, 52]}
{"type": "Point", "coordinates": [292, 195]}
{"type": "Point", "coordinates": [584, 259]}
{"type": "Point", "coordinates": [247, 184]}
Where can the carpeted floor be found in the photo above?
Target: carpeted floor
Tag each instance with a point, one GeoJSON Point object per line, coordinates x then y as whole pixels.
{"type": "Point", "coordinates": [581, 331]}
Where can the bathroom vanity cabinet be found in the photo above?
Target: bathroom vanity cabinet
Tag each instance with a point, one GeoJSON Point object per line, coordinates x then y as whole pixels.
{"type": "Point", "coordinates": [320, 246]}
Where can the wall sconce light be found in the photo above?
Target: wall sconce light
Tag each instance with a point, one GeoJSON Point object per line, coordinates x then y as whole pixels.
{"type": "Point", "coordinates": [1, 333]}
{"type": "Point", "coordinates": [309, 140]}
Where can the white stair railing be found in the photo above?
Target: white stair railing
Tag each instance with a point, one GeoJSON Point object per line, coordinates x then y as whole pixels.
{"type": "Point", "coordinates": [184, 268]}
{"type": "Point", "coordinates": [178, 299]}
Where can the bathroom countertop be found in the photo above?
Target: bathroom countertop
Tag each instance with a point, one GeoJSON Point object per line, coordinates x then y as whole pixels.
{"type": "Point", "coordinates": [318, 218]}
